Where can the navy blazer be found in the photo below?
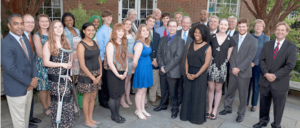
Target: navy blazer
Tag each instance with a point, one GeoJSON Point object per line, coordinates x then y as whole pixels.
{"type": "Point", "coordinates": [154, 45]}
{"type": "Point", "coordinates": [18, 70]}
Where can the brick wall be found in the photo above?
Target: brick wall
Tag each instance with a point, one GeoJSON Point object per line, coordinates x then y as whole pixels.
{"type": "Point", "coordinates": [93, 5]}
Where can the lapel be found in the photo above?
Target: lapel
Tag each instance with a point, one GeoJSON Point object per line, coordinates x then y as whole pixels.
{"type": "Point", "coordinates": [281, 50]}
{"type": "Point", "coordinates": [18, 46]}
{"type": "Point", "coordinates": [28, 46]}
{"type": "Point", "coordinates": [173, 42]}
{"type": "Point", "coordinates": [244, 43]}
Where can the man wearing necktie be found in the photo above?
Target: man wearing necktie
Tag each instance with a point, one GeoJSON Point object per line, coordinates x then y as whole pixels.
{"type": "Point", "coordinates": [154, 90]}
{"type": "Point", "coordinates": [131, 14]}
{"type": "Point", "coordinates": [213, 24]}
{"type": "Point", "coordinates": [169, 55]}
{"type": "Point", "coordinates": [20, 72]}
{"type": "Point", "coordinates": [278, 58]}
{"type": "Point", "coordinates": [163, 30]}
{"type": "Point", "coordinates": [232, 25]}
{"type": "Point", "coordinates": [28, 27]}
{"type": "Point", "coordinates": [157, 16]}
{"type": "Point", "coordinates": [240, 70]}
{"type": "Point", "coordinates": [183, 33]}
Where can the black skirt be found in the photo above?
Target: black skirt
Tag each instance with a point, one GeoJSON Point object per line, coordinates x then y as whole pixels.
{"type": "Point", "coordinates": [116, 86]}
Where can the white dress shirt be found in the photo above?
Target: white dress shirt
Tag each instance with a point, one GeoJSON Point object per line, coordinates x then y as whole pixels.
{"type": "Point", "coordinates": [187, 33]}
{"type": "Point", "coordinates": [231, 32]}
{"type": "Point", "coordinates": [280, 44]}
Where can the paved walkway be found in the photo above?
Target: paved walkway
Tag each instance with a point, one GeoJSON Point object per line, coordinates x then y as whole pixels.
{"type": "Point", "coordinates": [163, 119]}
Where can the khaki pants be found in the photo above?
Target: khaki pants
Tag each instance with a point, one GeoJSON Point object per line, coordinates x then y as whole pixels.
{"type": "Point", "coordinates": [155, 88]}
{"type": "Point", "coordinates": [19, 108]}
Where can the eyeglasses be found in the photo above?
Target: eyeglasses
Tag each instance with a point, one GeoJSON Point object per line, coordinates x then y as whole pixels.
{"type": "Point", "coordinates": [29, 22]}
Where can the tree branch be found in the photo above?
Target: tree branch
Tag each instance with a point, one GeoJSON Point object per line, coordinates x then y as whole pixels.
{"type": "Point", "coordinates": [250, 9]}
{"type": "Point", "coordinates": [31, 6]}
{"type": "Point", "coordinates": [37, 7]}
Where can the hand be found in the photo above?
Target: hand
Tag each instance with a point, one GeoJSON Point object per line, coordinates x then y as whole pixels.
{"type": "Point", "coordinates": [252, 64]}
{"type": "Point", "coordinates": [95, 81]}
{"type": "Point", "coordinates": [235, 71]}
{"type": "Point", "coordinates": [132, 70]}
{"type": "Point", "coordinates": [270, 77]}
{"type": "Point", "coordinates": [29, 88]}
{"type": "Point", "coordinates": [129, 55]}
{"type": "Point", "coordinates": [191, 76]}
{"type": "Point", "coordinates": [99, 77]}
{"type": "Point", "coordinates": [67, 65]}
{"type": "Point", "coordinates": [34, 82]}
{"type": "Point", "coordinates": [122, 77]}
{"type": "Point", "coordinates": [162, 69]}
{"type": "Point", "coordinates": [154, 63]}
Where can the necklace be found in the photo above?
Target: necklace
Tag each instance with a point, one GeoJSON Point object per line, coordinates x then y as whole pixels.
{"type": "Point", "coordinates": [199, 43]}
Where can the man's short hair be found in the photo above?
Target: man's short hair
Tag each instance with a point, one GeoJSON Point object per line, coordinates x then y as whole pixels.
{"type": "Point", "coordinates": [285, 24]}
{"type": "Point", "coordinates": [13, 15]}
{"type": "Point", "coordinates": [178, 13]}
{"type": "Point", "coordinates": [165, 14]}
{"type": "Point", "coordinates": [149, 17]}
{"type": "Point", "coordinates": [214, 17]}
{"type": "Point", "coordinates": [129, 12]}
{"type": "Point", "coordinates": [243, 20]}
{"type": "Point", "coordinates": [172, 20]}
{"type": "Point", "coordinates": [106, 13]}
{"type": "Point", "coordinates": [185, 18]}
{"type": "Point", "coordinates": [235, 19]}
{"type": "Point", "coordinates": [158, 10]}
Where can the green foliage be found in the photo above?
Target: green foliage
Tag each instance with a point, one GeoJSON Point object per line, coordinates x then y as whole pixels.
{"type": "Point", "coordinates": [179, 9]}
{"type": "Point", "coordinates": [4, 28]}
{"type": "Point", "coordinates": [272, 2]}
{"type": "Point", "coordinates": [295, 76]}
{"type": "Point", "coordinates": [101, 1]}
{"type": "Point", "coordinates": [225, 12]}
{"type": "Point", "coordinates": [81, 15]}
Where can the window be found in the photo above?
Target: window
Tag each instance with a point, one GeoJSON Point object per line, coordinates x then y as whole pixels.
{"type": "Point", "coordinates": [293, 14]}
{"type": "Point", "coordinates": [217, 6]}
{"type": "Point", "coordinates": [53, 8]}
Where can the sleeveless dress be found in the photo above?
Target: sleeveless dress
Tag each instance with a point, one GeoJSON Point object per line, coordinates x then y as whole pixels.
{"type": "Point", "coordinates": [75, 66]}
{"type": "Point", "coordinates": [68, 113]}
{"type": "Point", "coordinates": [91, 59]}
{"type": "Point", "coordinates": [143, 76]}
{"type": "Point", "coordinates": [42, 70]}
{"type": "Point", "coordinates": [217, 69]}
{"type": "Point", "coordinates": [130, 42]}
{"type": "Point", "coordinates": [116, 86]}
{"type": "Point", "coordinates": [193, 106]}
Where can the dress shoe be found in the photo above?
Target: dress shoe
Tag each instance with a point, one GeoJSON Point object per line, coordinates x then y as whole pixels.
{"type": "Point", "coordinates": [253, 109]}
{"type": "Point", "coordinates": [224, 112]}
{"type": "Point", "coordinates": [239, 119]}
{"type": "Point", "coordinates": [259, 125]}
{"type": "Point", "coordinates": [104, 105]}
{"type": "Point", "coordinates": [35, 120]}
{"type": "Point", "coordinates": [31, 125]}
{"type": "Point", "coordinates": [159, 109]}
{"type": "Point", "coordinates": [174, 114]}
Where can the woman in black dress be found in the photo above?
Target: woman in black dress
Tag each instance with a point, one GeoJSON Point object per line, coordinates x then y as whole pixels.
{"type": "Point", "coordinates": [52, 56]}
{"type": "Point", "coordinates": [222, 46]}
{"type": "Point", "coordinates": [198, 58]}
{"type": "Point", "coordinates": [90, 72]}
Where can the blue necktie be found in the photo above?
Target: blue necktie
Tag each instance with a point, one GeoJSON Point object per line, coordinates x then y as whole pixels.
{"type": "Point", "coordinates": [240, 42]}
{"type": "Point", "coordinates": [184, 37]}
{"type": "Point", "coordinates": [229, 33]}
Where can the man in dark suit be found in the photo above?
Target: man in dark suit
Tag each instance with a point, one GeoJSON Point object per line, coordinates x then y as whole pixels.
{"type": "Point", "coordinates": [232, 25]}
{"type": "Point", "coordinates": [240, 69]}
{"type": "Point", "coordinates": [169, 54]}
{"type": "Point", "coordinates": [203, 18]}
{"type": "Point", "coordinates": [184, 34]}
{"type": "Point", "coordinates": [213, 24]}
{"type": "Point", "coordinates": [20, 72]}
{"type": "Point", "coordinates": [28, 27]}
{"type": "Point", "coordinates": [154, 90]}
{"type": "Point", "coordinates": [278, 58]}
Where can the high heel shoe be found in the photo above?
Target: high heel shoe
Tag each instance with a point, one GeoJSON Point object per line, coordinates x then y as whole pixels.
{"type": "Point", "coordinates": [145, 113]}
{"type": "Point", "coordinates": [126, 106]}
{"type": "Point", "coordinates": [140, 115]}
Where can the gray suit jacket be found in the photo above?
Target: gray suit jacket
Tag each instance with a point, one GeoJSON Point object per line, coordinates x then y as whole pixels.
{"type": "Point", "coordinates": [188, 41]}
{"type": "Point", "coordinates": [170, 55]}
{"type": "Point", "coordinates": [242, 59]}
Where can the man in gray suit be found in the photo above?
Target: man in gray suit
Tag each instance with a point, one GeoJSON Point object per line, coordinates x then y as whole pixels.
{"type": "Point", "coordinates": [169, 54]}
{"type": "Point", "coordinates": [241, 71]}
{"type": "Point", "coordinates": [131, 14]}
{"type": "Point", "coordinates": [184, 34]}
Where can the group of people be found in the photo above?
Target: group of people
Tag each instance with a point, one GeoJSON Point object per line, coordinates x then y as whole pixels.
{"type": "Point", "coordinates": [176, 61]}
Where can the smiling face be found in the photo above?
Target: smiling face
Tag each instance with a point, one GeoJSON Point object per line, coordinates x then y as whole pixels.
{"type": "Point", "coordinates": [165, 20]}
{"type": "Point", "coordinates": [157, 15]}
{"type": "Point", "coordinates": [58, 29]}
{"type": "Point", "coordinates": [178, 18]}
{"type": "Point", "coordinates": [186, 23]}
{"type": "Point", "coordinates": [96, 22]}
{"type": "Point", "coordinates": [28, 23]}
{"type": "Point", "coordinates": [242, 28]}
{"type": "Point", "coordinates": [223, 26]}
{"type": "Point", "coordinates": [145, 33]}
{"type": "Point", "coordinates": [197, 35]}
{"type": "Point", "coordinates": [44, 22]}
{"type": "Point", "coordinates": [120, 33]}
{"type": "Point", "coordinates": [258, 27]}
{"type": "Point", "coordinates": [213, 23]}
{"type": "Point", "coordinates": [69, 22]}
{"type": "Point", "coordinates": [232, 23]}
{"type": "Point", "coordinates": [16, 26]}
{"type": "Point", "coordinates": [172, 27]}
{"type": "Point", "coordinates": [203, 16]}
{"type": "Point", "coordinates": [107, 20]}
{"type": "Point", "coordinates": [89, 32]}
{"type": "Point", "coordinates": [150, 23]}
{"type": "Point", "coordinates": [281, 32]}
{"type": "Point", "coordinates": [128, 25]}
{"type": "Point", "coordinates": [132, 16]}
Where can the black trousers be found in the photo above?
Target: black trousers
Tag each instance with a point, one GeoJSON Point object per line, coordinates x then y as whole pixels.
{"type": "Point", "coordinates": [266, 97]}
{"type": "Point", "coordinates": [169, 86]}
{"type": "Point", "coordinates": [103, 95]}
{"type": "Point", "coordinates": [180, 89]}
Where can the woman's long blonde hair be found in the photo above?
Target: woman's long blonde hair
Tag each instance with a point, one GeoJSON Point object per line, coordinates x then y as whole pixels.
{"type": "Point", "coordinates": [51, 39]}
{"type": "Point", "coordinates": [139, 35]}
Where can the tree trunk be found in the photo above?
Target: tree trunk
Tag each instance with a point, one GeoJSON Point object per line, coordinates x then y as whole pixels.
{"type": "Point", "coordinates": [20, 6]}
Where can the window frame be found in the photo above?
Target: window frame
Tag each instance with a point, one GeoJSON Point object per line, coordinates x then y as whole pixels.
{"type": "Point", "coordinates": [238, 4]}
{"type": "Point", "coordinates": [43, 7]}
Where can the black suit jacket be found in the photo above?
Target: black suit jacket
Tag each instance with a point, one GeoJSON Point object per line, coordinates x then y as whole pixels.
{"type": "Point", "coordinates": [188, 41]}
{"type": "Point", "coordinates": [18, 70]}
{"type": "Point", "coordinates": [200, 23]}
{"type": "Point", "coordinates": [154, 45]}
{"type": "Point", "coordinates": [235, 32]}
{"type": "Point", "coordinates": [169, 55]}
{"type": "Point", "coordinates": [284, 63]}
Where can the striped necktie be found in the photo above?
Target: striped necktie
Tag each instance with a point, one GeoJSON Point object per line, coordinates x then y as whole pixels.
{"type": "Point", "coordinates": [276, 51]}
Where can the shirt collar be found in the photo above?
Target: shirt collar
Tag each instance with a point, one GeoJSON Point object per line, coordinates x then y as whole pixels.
{"type": "Point", "coordinates": [243, 35]}
{"type": "Point", "coordinates": [15, 36]}
{"type": "Point", "coordinates": [27, 34]}
{"type": "Point", "coordinates": [171, 36]}
{"type": "Point", "coordinates": [280, 43]}
{"type": "Point", "coordinates": [260, 36]}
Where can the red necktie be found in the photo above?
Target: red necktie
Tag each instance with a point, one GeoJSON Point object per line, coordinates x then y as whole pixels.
{"type": "Point", "coordinates": [31, 44]}
{"type": "Point", "coordinates": [165, 32]}
{"type": "Point", "coordinates": [276, 51]}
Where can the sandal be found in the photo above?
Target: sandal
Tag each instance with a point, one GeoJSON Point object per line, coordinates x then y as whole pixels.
{"type": "Point", "coordinates": [140, 115]}
{"type": "Point", "coordinates": [207, 115]}
{"type": "Point", "coordinates": [45, 111]}
{"type": "Point", "coordinates": [212, 117]}
{"type": "Point", "coordinates": [145, 113]}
